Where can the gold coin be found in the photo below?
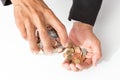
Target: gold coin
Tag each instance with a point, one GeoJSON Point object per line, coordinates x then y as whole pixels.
{"type": "Point", "coordinates": [69, 57]}
{"type": "Point", "coordinates": [69, 52]}
{"type": "Point", "coordinates": [77, 61]}
{"type": "Point", "coordinates": [65, 55]}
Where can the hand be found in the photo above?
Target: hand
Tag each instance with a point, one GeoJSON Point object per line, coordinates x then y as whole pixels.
{"type": "Point", "coordinates": [35, 14]}
{"type": "Point", "coordinates": [83, 36]}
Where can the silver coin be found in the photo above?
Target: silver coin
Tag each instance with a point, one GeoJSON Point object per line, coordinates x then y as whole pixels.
{"type": "Point", "coordinates": [53, 34]}
{"type": "Point", "coordinates": [84, 51]}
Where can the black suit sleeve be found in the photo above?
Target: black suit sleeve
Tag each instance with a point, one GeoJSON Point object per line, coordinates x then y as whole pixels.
{"type": "Point", "coordinates": [6, 2]}
{"type": "Point", "coordinates": [85, 10]}
{"type": "Point", "coordinates": [82, 10]}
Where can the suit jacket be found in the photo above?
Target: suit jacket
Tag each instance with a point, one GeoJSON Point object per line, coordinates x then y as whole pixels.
{"type": "Point", "coordinates": [6, 2]}
{"type": "Point", "coordinates": [82, 10]}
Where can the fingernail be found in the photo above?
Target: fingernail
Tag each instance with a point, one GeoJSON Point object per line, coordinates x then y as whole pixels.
{"type": "Point", "coordinates": [35, 52]}
{"type": "Point", "coordinates": [41, 52]}
{"type": "Point", "coordinates": [65, 45]}
{"type": "Point", "coordinates": [94, 65]}
{"type": "Point", "coordinates": [60, 49]}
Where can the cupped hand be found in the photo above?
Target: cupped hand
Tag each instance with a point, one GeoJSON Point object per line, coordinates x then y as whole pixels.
{"type": "Point", "coordinates": [82, 35]}
{"type": "Point", "coordinates": [35, 14]}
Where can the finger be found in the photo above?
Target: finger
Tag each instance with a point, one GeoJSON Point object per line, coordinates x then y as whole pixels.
{"type": "Point", "coordinates": [73, 67]}
{"type": "Point", "coordinates": [66, 64]}
{"type": "Point", "coordinates": [43, 34]}
{"type": "Point", "coordinates": [31, 36]}
{"type": "Point", "coordinates": [89, 55]}
{"type": "Point", "coordinates": [20, 26]}
{"type": "Point", "coordinates": [60, 28]}
{"type": "Point", "coordinates": [47, 42]}
{"type": "Point", "coordinates": [88, 61]}
{"type": "Point", "coordinates": [79, 66]}
{"type": "Point", "coordinates": [96, 55]}
{"type": "Point", "coordinates": [86, 64]}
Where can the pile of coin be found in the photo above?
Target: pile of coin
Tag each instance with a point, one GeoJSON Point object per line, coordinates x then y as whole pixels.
{"type": "Point", "coordinates": [75, 54]}
{"type": "Point", "coordinates": [72, 53]}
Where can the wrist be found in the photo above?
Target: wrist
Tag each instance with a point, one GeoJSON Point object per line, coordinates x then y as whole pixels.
{"type": "Point", "coordinates": [82, 26]}
{"type": "Point", "coordinates": [16, 2]}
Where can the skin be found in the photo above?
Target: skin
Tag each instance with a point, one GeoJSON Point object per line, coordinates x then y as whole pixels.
{"type": "Point", "coordinates": [82, 35]}
{"type": "Point", "coordinates": [35, 14]}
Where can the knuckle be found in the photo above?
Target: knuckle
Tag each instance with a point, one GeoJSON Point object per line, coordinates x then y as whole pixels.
{"type": "Point", "coordinates": [61, 28]}
{"type": "Point", "coordinates": [36, 15]}
{"type": "Point", "coordinates": [48, 11]}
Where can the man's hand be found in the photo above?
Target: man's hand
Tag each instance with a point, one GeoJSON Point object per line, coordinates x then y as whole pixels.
{"type": "Point", "coordinates": [35, 14]}
{"type": "Point", "coordinates": [83, 36]}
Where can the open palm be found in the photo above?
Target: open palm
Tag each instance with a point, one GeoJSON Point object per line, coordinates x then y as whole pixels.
{"type": "Point", "coordinates": [82, 35]}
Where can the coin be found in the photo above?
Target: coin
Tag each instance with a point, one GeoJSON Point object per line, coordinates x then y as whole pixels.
{"type": "Point", "coordinates": [78, 56]}
{"type": "Point", "coordinates": [76, 61]}
{"type": "Point", "coordinates": [53, 33]}
{"type": "Point", "coordinates": [75, 54]}
{"type": "Point", "coordinates": [40, 45]}
{"type": "Point", "coordinates": [69, 57]}
{"type": "Point", "coordinates": [70, 51]}
{"type": "Point", "coordinates": [84, 51]}
{"type": "Point", "coordinates": [65, 55]}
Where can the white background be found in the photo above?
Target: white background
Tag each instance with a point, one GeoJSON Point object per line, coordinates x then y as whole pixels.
{"type": "Point", "coordinates": [18, 63]}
